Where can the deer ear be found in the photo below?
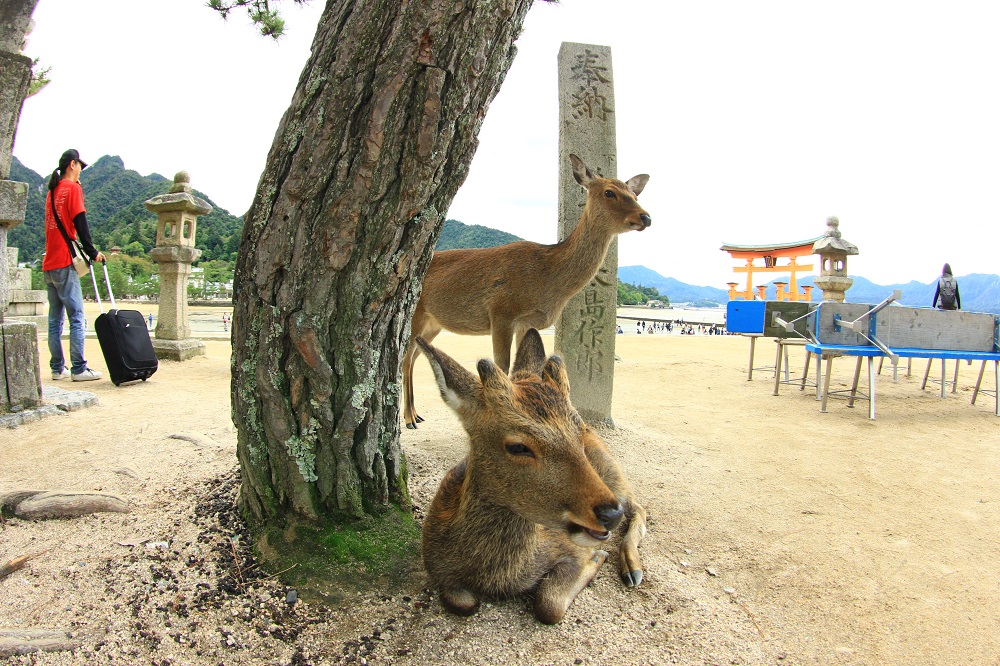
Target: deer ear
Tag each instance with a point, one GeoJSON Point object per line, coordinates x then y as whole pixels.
{"type": "Point", "coordinates": [637, 183]}
{"type": "Point", "coordinates": [530, 353]}
{"type": "Point", "coordinates": [555, 372]}
{"type": "Point", "coordinates": [458, 386]}
{"type": "Point", "coordinates": [496, 387]}
{"type": "Point", "coordinates": [581, 171]}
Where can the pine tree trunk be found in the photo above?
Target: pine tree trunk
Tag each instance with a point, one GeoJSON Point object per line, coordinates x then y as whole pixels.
{"type": "Point", "coordinates": [365, 162]}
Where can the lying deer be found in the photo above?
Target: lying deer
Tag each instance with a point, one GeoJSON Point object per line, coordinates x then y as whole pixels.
{"type": "Point", "coordinates": [536, 495]}
{"type": "Point", "coordinates": [505, 290]}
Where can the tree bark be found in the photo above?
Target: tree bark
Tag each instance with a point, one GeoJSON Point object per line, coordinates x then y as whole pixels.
{"type": "Point", "coordinates": [366, 160]}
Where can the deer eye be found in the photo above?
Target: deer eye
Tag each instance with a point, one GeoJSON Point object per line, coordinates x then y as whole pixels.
{"type": "Point", "coordinates": [609, 194]}
{"type": "Point", "coordinates": [519, 450]}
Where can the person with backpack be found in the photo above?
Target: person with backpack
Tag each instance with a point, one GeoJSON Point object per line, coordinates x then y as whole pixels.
{"type": "Point", "coordinates": [947, 291]}
{"type": "Point", "coordinates": [65, 221]}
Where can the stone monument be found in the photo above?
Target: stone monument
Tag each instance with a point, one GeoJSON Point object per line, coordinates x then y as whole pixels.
{"type": "Point", "coordinates": [20, 375]}
{"type": "Point", "coordinates": [585, 332]}
{"type": "Point", "coordinates": [177, 213]}
{"type": "Point", "coordinates": [833, 251]}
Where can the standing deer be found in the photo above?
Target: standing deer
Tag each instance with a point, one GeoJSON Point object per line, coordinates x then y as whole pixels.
{"type": "Point", "coordinates": [505, 290]}
{"type": "Point", "coordinates": [537, 494]}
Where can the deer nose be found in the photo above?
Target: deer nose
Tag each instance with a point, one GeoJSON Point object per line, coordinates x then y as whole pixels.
{"type": "Point", "coordinates": [609, 515]}
{"type": "Point", "coordinates": [645, 219]}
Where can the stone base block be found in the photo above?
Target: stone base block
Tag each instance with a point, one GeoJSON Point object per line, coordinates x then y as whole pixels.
{"type": "Point", "coordinates": [29, 296]}
{"type": "Point", "coordinates": [20, 373]}
{"type": "Point", "coordinates": [16, 309]}
{"type": "Point", "coordinates": [40, 321]}
{"type": "Point", "coordinates": [178, 350]}
{"type": "Point", "coordinates": [13, 201]}
{"type": "Point", "coordinates": [20, 278]}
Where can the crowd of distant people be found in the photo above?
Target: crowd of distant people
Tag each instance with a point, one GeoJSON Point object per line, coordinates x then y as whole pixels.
{"type": "Point", "coordinates": [646, 328]}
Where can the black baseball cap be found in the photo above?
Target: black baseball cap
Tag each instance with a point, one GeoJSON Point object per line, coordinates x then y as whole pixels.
{"type": "Point", "coordinates": [69, 156]}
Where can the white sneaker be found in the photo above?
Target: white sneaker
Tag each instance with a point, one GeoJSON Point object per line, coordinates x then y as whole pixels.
{"type": "Point", "coordinates": [65, 374]}
{"type": "Point", "coordinates": [87, 375]}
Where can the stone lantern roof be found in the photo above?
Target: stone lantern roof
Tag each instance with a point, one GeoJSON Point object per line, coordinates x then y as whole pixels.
{"type": "Point", "coordinates": [179, 198]}
{"type": "Point", "coordinates": [831, 242]}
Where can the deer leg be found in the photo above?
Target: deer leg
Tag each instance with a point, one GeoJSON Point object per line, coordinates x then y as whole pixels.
{"type": "Point", "coordinates": [409, 408]}
{"type": "Point", "coordinates": [629, 564]}
{"type": "Point", "coordinates": [561, 585]}
{"type": "Point", "coordinates": [503, 335]}
{"type": "Point", "coordinates": [460, 601]}
{"type": "Point", "coordinates": [428, 333]}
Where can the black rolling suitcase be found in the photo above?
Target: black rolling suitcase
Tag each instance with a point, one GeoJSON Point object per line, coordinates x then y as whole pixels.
{"type": "Point", "coordinates": [124, 338]}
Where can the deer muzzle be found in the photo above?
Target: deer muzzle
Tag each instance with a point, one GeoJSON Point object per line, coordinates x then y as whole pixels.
{"type": "Point", "coordinates": [606, 516]}
{"type": "Point", "coordinates": [640, 221]}
{"type": "Point", "coordinates": [609, 515]}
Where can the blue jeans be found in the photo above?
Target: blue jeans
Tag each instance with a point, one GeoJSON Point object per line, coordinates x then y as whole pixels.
{"type": "Point", "coordinates": [65, 296]}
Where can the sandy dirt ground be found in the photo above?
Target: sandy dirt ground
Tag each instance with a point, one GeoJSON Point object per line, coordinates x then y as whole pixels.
{"type": "Point", "coordinates": [778, 535]}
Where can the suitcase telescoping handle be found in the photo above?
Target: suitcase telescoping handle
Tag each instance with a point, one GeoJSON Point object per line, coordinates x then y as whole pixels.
{"type": "Point", "coordinates": [107, 281]}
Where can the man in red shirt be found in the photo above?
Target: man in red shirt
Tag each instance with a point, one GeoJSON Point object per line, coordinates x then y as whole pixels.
{"type": "Point", "coordinates": [65, 198]}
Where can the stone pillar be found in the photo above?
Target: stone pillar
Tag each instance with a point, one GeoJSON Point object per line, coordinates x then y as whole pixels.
{"type": "Point", "coordinates": [15, 78]}
{"type": "Point", "coordinates": [585, 332]}
{"type": "Point", "coordinates": [13, 203]}
{"type": "Point", "coordinates": [177, 213]}
{"type": "Point", "coordinates": [20, 371]}
{"type": "Point", "coordinates": [20, 376]}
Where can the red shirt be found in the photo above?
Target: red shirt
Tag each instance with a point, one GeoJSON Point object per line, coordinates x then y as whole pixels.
{"type": "Point", "coordinates": [69, 203]}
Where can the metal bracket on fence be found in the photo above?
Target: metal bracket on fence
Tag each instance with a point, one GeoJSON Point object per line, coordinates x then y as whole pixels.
{"type": "Point", "coordinates": [868, 331]}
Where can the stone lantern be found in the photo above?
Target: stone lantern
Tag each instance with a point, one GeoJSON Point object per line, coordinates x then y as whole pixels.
{"type": "Point", "coordinates": [20, 371]}
{"type": "Point", "coordinates": [833, 251]}
{"type": "Point", "coordinates": [177, 213]}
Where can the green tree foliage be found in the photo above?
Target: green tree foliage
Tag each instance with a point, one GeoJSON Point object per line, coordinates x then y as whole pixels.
{"type": "Point", "coordinates": [130, 277]}
{"type": "Point", "coordinates": [37, 278]}
{"type": "Point", "coordinates": [216, 280]}
{"type": "Point", "coordinates": [39, 77]}
{"type": "Point", "coordinates": [117, 276]}
{"type": "Point", "coordinates": [455, 235]}
{"type": "Point", "coordinates": [267, 20]}
{"type": "Point", "coordinates": [630, 294]}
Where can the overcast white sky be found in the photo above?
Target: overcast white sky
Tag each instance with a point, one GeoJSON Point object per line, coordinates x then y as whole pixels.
{"type": "Point", "coordinates": [755, 121]}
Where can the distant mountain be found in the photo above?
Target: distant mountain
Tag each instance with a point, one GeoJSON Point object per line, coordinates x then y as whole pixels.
{"type": "Point", "coordinates": [456, 235]}
{"type": "Point", "coordinates": [114, 197]}
{"type": "Point", "coordinates": [675, 290]}
{"type": "Point", "coordinates": [980, 292]}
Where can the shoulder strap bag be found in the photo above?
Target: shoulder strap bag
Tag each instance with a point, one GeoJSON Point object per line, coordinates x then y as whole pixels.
{"type": "Point", "coordinates": [81, 262]}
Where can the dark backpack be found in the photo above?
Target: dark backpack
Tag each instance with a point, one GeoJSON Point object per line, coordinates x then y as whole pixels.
{"type": "Point", "coordinates": [947, 287]}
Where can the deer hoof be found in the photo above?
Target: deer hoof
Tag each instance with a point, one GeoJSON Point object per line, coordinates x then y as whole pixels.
{"type": "Point", "coordinates": [460, 602]}
{"type": "Point", "coordinates": [419, 419]}
{"type": "Point", "coordinates": [411, 426]}
{"type": "Point", "coordinates": [632, 578]}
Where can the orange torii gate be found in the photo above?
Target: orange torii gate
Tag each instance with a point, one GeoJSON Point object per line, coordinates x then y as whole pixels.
{"type": "Point", "coordinates": [770, 254]}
